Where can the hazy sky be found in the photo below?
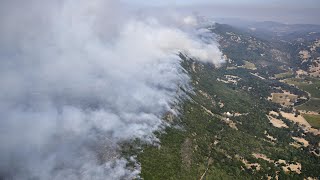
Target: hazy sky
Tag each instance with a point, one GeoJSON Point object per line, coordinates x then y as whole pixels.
{"type": "Point", "coordinates": [270, 3]}
{"type": "Point", "coordinates": [286, 11]}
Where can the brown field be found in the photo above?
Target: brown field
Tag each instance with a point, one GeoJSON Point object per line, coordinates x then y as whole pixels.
{"type": "Point", "coordinates": [284, 99]}
{"type": "Point", "coordinates": [277, 122]}
{"type": "Point", "coordinates": [299, 119]}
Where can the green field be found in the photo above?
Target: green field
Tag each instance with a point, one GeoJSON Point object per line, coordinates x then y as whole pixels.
{"type": "Point", "coordinates": [312, 88]}
{"type": "Point", "coordinates": [314, 120]}
{"type": "Point", "coordinates": [312, 105]}
{"type": "Point", "coordinates": [283, 75]}
{"type": "Point", "coordinates": [249, 65]}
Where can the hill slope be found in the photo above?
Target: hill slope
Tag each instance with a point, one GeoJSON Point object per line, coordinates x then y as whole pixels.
{"type": "Point", "coordinates": [230, 127]}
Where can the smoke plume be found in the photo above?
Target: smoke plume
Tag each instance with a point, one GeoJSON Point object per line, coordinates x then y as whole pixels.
{"type": "Point", "coordinates": [78, 77]}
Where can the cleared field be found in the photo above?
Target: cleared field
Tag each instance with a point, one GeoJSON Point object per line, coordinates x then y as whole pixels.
{"type": "Point", "coordinates": [297, 119]}
{"type": "Point", "coordinates": [312, 105]}
{"type": "Point", "coordinates": [314, 120]}
{"type": "Point", "coordinates": [284, 99]}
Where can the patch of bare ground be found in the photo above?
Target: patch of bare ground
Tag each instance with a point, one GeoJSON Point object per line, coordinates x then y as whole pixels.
{"type": "Point", "coordinates": [315, 45]}
{"type": "Point", "coordinates": [301, 72]}
{"type": "Point", "coordinates": [301, 141]}
{"type": "Point", "coordinates": [273, 113]}
{"type": "Point", "coordinates": [221, 104]}
{"type": "Point", "coordinates": [313, 131]}
{"type": "Point", "coordinates": [287, 167]}
{"type": "Point", "coordinates": [269, 137]}
{"type": "Point", "coordinates": [236, 114]}
{"type": "Point", "coordinates": [315, 153]}
{"type": "Point", "coordinates": [311, 178]}
{"type": "Point", "coordinates": [314, 70]}
{"type": "Point", "coordinates": [231, 124]}
{"type": "Point", "coordinates": [292, 168]}
{"type": "Point", "coordinates": [277, 122]}
{"type": "Point", "coordinates": [262, 156]}
{"type": "Point", "coordinates": [304, 55]}
{"type": "Point", "coordinates": [297, 119]}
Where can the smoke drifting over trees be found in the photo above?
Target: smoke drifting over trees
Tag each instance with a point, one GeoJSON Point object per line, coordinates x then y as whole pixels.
{"type": "Point", "coordinates": [78, 77]}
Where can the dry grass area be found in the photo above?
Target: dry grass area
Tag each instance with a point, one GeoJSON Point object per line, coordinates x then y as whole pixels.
{"type": "Point", "coordinates": [299, 119]}
{"type": "Point", "coordinates": [301, 72]}
{"type": "Point", "coordinates": [277, 122]}
{"type": "Point", "coordinates": [315, 69]}
{"type": "Point", "coordinates": [295, 144]}
{"type": "Point", "coordinates": [312, 178]}
{"type": "Point", "coordinates": [230, 123]}
{"type": "Point", "coordinates": [269, 137]}
{"type": "Point", "coordinates": [221, 104]}
{"type": "Point", "coordinates": [285, 99]}
{"type": "Point", "coordinates": [273, 113]}
{"type": "Point", "coordinates": [300, 142]}
{"type": "Point", "coordinates": [313, 131]}
{"type": "Point", "coordinates": [304, 54]}
{"type": "Point", "coordinates": [314, 47]}
{"type": "Point", "coordinates": [262, 156]}
{"type": "Point", "coordinates": [292, 168]}
{"type": "Point", "coordinates": [287, 167]}
{"type": "Point", "coordinates": [236, 114]}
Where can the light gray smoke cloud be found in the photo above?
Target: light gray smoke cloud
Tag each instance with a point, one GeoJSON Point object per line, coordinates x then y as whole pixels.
{"type": "Point", "coordinates": [78, 77]}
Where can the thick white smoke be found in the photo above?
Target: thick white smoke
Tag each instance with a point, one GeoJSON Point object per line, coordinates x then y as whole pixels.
{"type": "Point", "coordinates": [77, 78]}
